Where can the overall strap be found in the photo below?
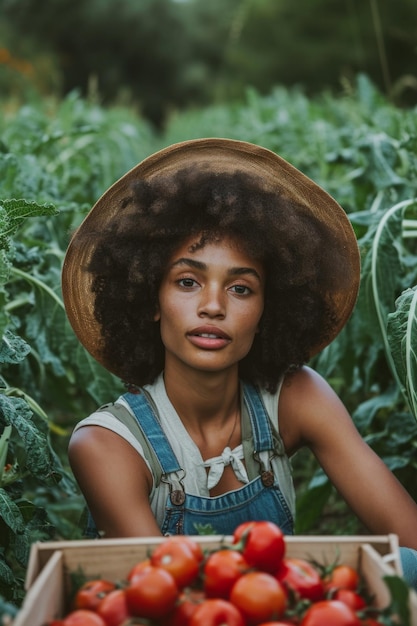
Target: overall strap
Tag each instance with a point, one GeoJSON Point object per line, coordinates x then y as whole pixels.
{"type": "Point", "coordinates": [146, 415]}
{"type": "Point", "coordinates": [260, 422]}
{"type": "Point", "coordinates": [260, 440]}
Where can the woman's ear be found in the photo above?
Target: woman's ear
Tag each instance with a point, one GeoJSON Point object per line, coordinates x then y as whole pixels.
{"type": "Point", "coordinates": [157, 315]}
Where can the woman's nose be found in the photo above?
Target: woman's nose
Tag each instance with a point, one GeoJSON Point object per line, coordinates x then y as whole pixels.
{"type": "Point", "coordinates": [212, 302]}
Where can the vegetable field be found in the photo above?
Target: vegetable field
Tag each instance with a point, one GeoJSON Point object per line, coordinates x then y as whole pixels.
{"type": "Point", "coordinates": [56, 158]}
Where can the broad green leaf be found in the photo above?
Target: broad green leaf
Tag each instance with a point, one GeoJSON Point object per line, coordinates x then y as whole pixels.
{"type": "Point", "coordinates": [310, 504]}
{"type": "Point", "coordinates": [399, 603]}
{"type": "Point", "coordinates": [383, 280]}
{"type": "Point", "coordinates": [13, 212]}
{"type": "Point", "coordinates": [10, 512]}
{"type": "Point", "coordinates": [6, 576]}
{"type": "Point", "coordinates": [13, 349]}
{"type": "Point", "coordinates": [367, 410]}
{"type": "Point", "coordinates": [402, 338]}
{"type": "Point", "coordinates": [35, 453]}
{"type": "Point", "coordinates": [382, 157]}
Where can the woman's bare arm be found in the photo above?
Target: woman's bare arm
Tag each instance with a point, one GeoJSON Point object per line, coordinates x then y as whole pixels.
{"type": "Point", "coordinates": [311, 414]}
{"type": "Point", "coordinates": [115, 482]}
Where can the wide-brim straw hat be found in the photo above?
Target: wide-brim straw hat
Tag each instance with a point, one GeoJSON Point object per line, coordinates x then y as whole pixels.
{"type": "Point", "coordinates": [214, 155]}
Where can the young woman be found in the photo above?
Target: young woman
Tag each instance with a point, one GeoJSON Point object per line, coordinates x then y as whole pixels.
{"type": "Point", "coordinates": [206, 278]}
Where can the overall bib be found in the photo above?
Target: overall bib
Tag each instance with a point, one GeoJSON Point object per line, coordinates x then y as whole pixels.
{"type": "Point", "coordinates": [260, 499]}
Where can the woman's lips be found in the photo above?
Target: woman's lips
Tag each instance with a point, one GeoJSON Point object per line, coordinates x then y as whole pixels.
{"type": "Point", "coordinates": [209, 338]}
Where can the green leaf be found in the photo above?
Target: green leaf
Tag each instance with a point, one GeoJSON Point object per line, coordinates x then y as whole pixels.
{"type": "Point", "coordinates": [13, 212]}
{"type": "Point", "coordinates": [382, 157]}
{"type": "Point", "coordinates": [311, 503]}
{"type": "Point", "coordinates": [6, 574]}
{"type": "Point", "coordinates": [35, 452]}
{"type": "Point", "coordinates": [399, 592]}
{"type": "Point", "coordinates": [402, 339]}
{"type": "Point", "coordinates": [13, 349]}
{"type": "Point", "coordinates": [10, 513]}
{"type": "Point", "coordinates": [367, 410]}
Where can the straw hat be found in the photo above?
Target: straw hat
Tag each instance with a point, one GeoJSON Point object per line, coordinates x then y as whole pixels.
{"type": "Point", "coordinates": [214, 155]}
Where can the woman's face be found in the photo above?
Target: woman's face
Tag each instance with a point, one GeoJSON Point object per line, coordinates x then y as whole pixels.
{"type": "Point", "coordinates": [210, 303]}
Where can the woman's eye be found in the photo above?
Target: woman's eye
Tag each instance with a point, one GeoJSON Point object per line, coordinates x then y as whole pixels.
{"type": "Point", "coordinates": [187, 282]}
{"type": "Point", "coordinates": [241, 290]}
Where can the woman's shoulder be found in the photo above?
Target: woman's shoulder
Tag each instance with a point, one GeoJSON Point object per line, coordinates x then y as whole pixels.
{"type": "Point", "coordinates": [305, 400]}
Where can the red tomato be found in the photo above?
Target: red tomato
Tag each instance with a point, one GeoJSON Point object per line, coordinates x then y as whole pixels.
{"type": "Point", "coordinates": [343, 577]}
{"type": "Point", "coordinates": [137, 569]}
{"type": "Point", "coordinates": [83, 617]}
{"type": "Point", "coordinates": [301, 578]}
{"type": "Point", "coordinates": [259, 596]}
{"type": "Point", "coordinates": [263, 544]}
{"type": "Point", "coordinates": [216, 612]}
{"type": "Point", "coordinates": [330, 613]}
{"type": "Point", "coordinates": [153, 593]}
{"type": "Point", "coordinates": [113, 608]}
{"type": "Point", "coordinates": [351, 598]}
{"type": "Point", "coordinates": [177, 558]}
{"type": "Point", "coordinates": [188, 602]}
{"type": "Point", "coordinates": [195, 547]}
{"type": "Point", "coordinates": [221, 570]}
{"type": "Point", "coordinates": [91, 593]}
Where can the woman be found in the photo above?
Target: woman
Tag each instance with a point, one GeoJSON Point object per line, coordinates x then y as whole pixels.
{"type": "Point", "coordinates": [205, 279]}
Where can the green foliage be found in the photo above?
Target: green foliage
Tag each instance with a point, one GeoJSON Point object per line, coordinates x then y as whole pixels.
{"type": "Point", "coordinates": [54, 164]}
{"type": "Point", "coordinates": [56, 158]}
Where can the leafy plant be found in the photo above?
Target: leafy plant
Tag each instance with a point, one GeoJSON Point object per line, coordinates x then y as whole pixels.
{"type": "Point", "coordinates": [58, 157]}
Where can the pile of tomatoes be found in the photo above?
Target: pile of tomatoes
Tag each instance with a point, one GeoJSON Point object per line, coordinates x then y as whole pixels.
{"type": "Point", "coordinates": [249, 581]}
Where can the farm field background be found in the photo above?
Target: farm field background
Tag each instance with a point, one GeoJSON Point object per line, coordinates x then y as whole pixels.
{"type": "Point", "coordinates": [58, 156]}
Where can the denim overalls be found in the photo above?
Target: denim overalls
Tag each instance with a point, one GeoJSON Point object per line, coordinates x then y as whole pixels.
{"type": "Point", "coordinates": [260, 499]}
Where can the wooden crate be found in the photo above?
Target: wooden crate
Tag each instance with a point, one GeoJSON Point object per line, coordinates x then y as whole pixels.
{"type": "Point", "coordinates": [51, 564]}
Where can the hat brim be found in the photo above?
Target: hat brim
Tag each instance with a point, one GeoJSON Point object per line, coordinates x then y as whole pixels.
{"type": "Point", "coordinates": [214, 155]}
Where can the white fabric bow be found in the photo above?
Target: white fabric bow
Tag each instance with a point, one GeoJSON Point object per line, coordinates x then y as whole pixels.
{"type": "Point", "coordinates": [218, 463]}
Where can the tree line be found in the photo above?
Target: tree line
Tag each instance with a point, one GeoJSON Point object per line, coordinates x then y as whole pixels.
{"type": "Point", "coordinates": [164, 55]}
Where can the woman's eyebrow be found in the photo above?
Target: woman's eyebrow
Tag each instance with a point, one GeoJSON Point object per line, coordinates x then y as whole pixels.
{"type": "Point", "coordinates": [198, 265]}
{"type": "Point", "coordinates": [233, 271]}
{"type": "Point", "coordinates": [240, 271]}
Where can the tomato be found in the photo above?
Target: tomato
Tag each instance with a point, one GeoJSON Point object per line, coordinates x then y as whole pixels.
{"type": "Point", "coordinates": [301, 578]}
{"type": "Point", "coordinates": [83, 617]}
{"type": "Point", "coordinates": [113, 608]}
{"type": "Point", "coordinates": [188, 602]}
{"type": "Point", "coordinates": [137, 569]}
{"type": "Point", "coordinates": [216, 612]}
{"type": "Point", "coordinates": [221, 570]}
{"type": "Point", "coordinates": [343, 577]}
{"type": "Point", "coordinates": [153, 593]}
{"type": "Point", "coordinates": [351, 598]}
{"type": "Point", "coordinates": [195, 547]}
{"type": "Point", "coordinates": [259, 596]}
{"type": "Point", "coordinates": [178, 559]}
{"type": "Point", "coordinates": [90, 594]}
{"type": "Point", "coordinates": [263, 544]}
{"type": "Point", "coordinates": [330, 613]}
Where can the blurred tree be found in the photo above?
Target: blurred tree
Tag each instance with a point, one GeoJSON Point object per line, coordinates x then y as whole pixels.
{"type": "Point", "coordinates": [317, 42]}
{"type": "Point", "coordinates": [119, 45]}
{"type": "Point", "coordinates": [166, 54]}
